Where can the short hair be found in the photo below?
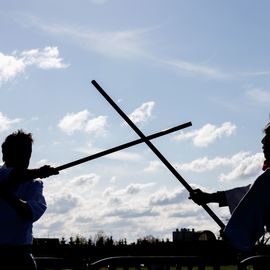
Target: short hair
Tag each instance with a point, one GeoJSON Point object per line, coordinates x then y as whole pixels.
{"type": "Point", "coordinates": [18, 140]}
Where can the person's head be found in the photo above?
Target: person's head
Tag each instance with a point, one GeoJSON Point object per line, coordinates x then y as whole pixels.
{"type": "Point", "coordinates": [17, 149]}
{"type": "Point", "coordinates": [266, 142]}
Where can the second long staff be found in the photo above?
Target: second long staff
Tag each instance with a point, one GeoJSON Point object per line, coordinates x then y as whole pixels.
{"type": "Point", "coordinates": [155, 150]}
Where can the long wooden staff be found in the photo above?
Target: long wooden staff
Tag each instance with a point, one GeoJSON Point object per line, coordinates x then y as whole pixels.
{"type": "Point", "coordinates": [155, 150]}
{"type": "Point", "coordinates": [122, 146]}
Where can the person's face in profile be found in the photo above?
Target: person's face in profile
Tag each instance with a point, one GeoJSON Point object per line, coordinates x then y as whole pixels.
{"type": "Point", "coordinates": [266, 145]}
{"type": "Point", "coordinates": [21, 157]}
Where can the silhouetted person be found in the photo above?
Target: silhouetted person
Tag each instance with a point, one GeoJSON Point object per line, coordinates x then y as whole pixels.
{"type": "Point", "coordinates": [21, 201]}
{"type": "Point", "coordinates": [249, 205]}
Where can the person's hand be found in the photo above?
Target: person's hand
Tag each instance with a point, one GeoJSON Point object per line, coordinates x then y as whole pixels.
{"type": "Point", "coordinates": [199, 197]}
{"type": "Point", "coordinates": [46, 171]}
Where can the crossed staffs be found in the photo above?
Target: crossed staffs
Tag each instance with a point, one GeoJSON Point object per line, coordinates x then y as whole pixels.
{"type": "Point", "coordinates": [146, 140]}
{"type": "Point", "coordinates": [122, 146]}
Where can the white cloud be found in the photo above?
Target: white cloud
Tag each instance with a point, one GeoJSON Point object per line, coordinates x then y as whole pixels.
{"type": "Point", "coordinates": [259, 95]}
{"type": "Point", "coordinates": [89, 180]}
{"type": "Point", "coordinates": [248, 167]}
{"type": "Point", "coordinates": [113, 179]}
{"type": "Point", "coordinates": [119, 155]}
{"type": "Point", "coordinates": [153, 166]}
{"type": "Point", "coordinates": [131, 189]}
{"type": "Point", "coordinates": [131, 44]}
{"type": "Point", "coordinates": [197, 69]}
{"type": "Point", "coordinates": [205, 164]}
{"type": "Point", "coordinates": [126, 44]}
{"type": "Point", "coordinates": [81, 121]}
{"type": "Point", "coordinates": [75, 192]}
{"type": "Point", "coordinates": [142, 113]}
{"type": "Point", "coordinates": [122, 44]}
{"type": "Point", "coordinates": [243, 165]}
{"type": "Point", "coordinates": [81, 186]}
{"type": "Point", "coordinates": [135, 188]}
{"type": "Point", "coordinates": [48, 58]}
{"type": "Point", "coordinates": [74, 121]}
{"type": "Point", "coordinates": [12, 65]}
{"type": "Point", "coordinates": [6, 123]}
{"type": "Point", "coordinates": [96, 125]}
{"type": "Point", "coordinates": [125, 156]}
{"type": "Point", "coordinates": [132, 211]}
{"type": "Point", "coordinates": [163, 197]}
{"type": "Point", "coordinates": [62, 205]}
{"type": "Point", "coordinates": [207, 134]}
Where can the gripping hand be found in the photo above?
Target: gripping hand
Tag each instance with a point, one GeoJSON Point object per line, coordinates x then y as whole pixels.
{"type": "Point", "coordinates": [199, 197]}
{"type": "Point", "coordinates": [46, 171]}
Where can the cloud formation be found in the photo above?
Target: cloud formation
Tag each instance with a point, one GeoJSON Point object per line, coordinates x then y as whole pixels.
{"type": "Point", "coordinates": [163, 197]}
{"type": "Point", "coordinates": [5, 122]}
{"type": "Point", "coordinates": [81, 121]}
{"type": "Point", "coordinates": [259, 95]}
{"type": "Point", "coordinates": [133, 43]}
{"type": "Point", "coordinates": [207, 134]}
{"type": "Point", "coordinates": [128, 44]}
{"type": "Point", "coordinates": [131, 189]}
{"type": "Point", "coordinates": [62, 205]}
{"type": "Point", "coordinates": [243, 165]}
{"type": "Point", "coordinates": [154, 165]}
{"type": "Point", "coordinates": [142, 113]}
{"type": "Point", "coordinates": [120, 44]}
{"type": "Point", "coordinates": [249, 166]}
{"type": "Point", "coordinates": [12, 65]}
{"type": "Point", "coordinates": [197, 69]}
{"type": "Point", "coordinates": [48, 58]}
{"type": "Point", "coordinates": [88, 180]}
{"type": "Point", "coordinates": [128, 211]}
{"type": "Point", "coordinates": [119, 155]}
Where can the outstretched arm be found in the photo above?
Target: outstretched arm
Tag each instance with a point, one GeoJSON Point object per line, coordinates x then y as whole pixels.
{"type": "Point", "coordinates": [202, 198]}
{"type": "Point", "coordinates": [17, 176]}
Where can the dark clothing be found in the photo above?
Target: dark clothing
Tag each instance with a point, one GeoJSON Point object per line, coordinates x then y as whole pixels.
{"type": "Point", "coordinates": [16, 257]}
{"type": "Point", "coordinates": [248, 220]}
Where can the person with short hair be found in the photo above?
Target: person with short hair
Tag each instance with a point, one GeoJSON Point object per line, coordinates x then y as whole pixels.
{"type": "Point", "coordinates": [21, 201]}
{"type": "Point", "coordinates": [249, 205]}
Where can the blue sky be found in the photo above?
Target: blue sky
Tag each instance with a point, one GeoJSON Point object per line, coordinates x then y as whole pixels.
{"type": "Point", "coordinates": [164, 63]}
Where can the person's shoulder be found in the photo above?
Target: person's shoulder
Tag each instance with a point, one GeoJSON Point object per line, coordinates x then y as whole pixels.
{"type": "Point", "coordinates": [4, 168]}
{"type": "Point", "coordinates": [264, 177]}
{"type": "Point", "coordinates": [4, 172]}
{"type": "Point", "coordinates": [266, 173]}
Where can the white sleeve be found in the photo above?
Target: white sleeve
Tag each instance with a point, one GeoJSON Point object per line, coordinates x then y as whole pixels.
{"type": "Point", "coordinates": [247, 222]}
{"type": "Point", "coordinates": [36, 200]}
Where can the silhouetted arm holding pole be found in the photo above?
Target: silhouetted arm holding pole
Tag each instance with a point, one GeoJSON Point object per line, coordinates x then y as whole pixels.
{"type": "Point", "coordinates": [201, 197]}
{"type": "Point", "coordinates": [155, 150]}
